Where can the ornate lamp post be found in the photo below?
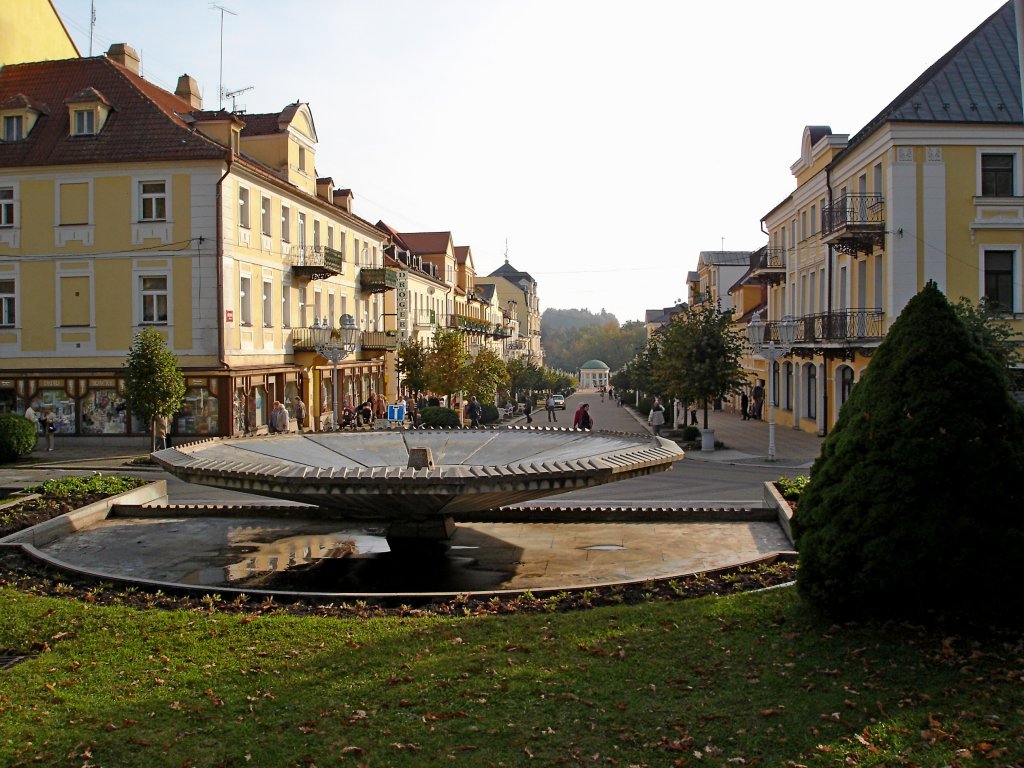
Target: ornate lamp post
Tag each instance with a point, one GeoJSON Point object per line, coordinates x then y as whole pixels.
{"type": "Point", "coordinates": [771, 351]}
{"type": "Point", "coordinates": [335, 349]}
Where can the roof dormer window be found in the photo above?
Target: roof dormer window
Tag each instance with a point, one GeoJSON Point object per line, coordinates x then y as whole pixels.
{"type": "Point", "coordinates": [87, 111]}
{"type": "Point", "coordinates": [14, 127]}
{"type": "Point", "coordinates": [84, 122]}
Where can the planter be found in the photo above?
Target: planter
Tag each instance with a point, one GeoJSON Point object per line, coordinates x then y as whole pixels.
{"type": "Point", "coordinates": [707, 440]}
{"type": "Point", "coordinates": [784, 512]}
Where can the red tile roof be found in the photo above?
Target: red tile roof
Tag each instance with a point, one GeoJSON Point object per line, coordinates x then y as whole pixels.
{"type": "Point", "coordinates": [426, 242]}
{"type": "Point", "coordinates": [145, 122]}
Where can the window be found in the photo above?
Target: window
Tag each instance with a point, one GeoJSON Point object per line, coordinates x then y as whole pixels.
{"type": "Point", "coordinates": [302, 158]}
{"type": "Point", "coordinates": [154, 298]}
{"type": "Point", "coordinates": [245, 300]}
{"type": "Point", "coordinates": [286, 305]}
{"type": "Point", "coordinates": [330, 309]}
{"type": "Point", "coordinates": [75, 207]}
{"type": "Point", "coordinates": [317, 296]}
{"type": "Point", "coordinates": [997, 175]}
{"type": "Point", "coordinates": [845, 383]}
{"type": "Point", "coordinates": [775, 383]}
{"type": "Point", "coordinates": [330, 237]}
{"type": "Point", "coordinates": [85, 122]}
{"type": "Point", "coordinates": [7, 303]}
{"type": "Point", "coordinates": [265, 215]}
{"type": "Point", "coordinates": [6, 206]}
{"type": "Point", "coordinates": [355, 254]}
{"type": "Point", "coordinates": [14, 127]}
{"type": "Point", "coordinates": [877, 172]}
{"type": "Point", "coordinates": [243, 207]}
{"type": "Point", "coordinates": [300, 230]}
{"type": "Point", "coordinates": [153, 200]}
{"type": "Point", "coordinates": [286, 224]}
{"type": "Point", "coordinates": [814, 219]}
{"type": "Point", "coordinates": [812, 392]}
{"type": "Point", "coordinates": [268, 304]}
{"type": "Point", "coordinates": [803, 225]}
{"type": "Point", "coordinates": [787, 386]}
{"type": "Point", "coordinates": [316, 234]}
{"type": "Point", "coordinates": [999, 278]}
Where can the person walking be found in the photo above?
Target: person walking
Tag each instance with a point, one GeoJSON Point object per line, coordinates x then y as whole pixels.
{"type": "Point", "coordinates": [33, 416]}
{"type": "Point", "coordinates": [656, 418]}
{"type": "Point", "coordinates": [528, 410]}
{"type": "Point", "coordinates": [475, 412]}
{"type": "Point", "coordinates": [278, 421]}
{"type": "Point", "coordinates": [549, 405]}
{"type": "Point", "coordinates": [758, 395]}
{"type": "Point", "coordinates": [745, 405]}
{"type": "Point", "coordinates": [50, 427]}
{"type": "Point", "coordinates": [300, 413]}
{"type": "Point", "coordinates": [582, 419]}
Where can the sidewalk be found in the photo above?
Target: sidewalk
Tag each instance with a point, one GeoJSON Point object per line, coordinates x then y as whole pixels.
{"type": "Point", "coordinates": [746, 441]}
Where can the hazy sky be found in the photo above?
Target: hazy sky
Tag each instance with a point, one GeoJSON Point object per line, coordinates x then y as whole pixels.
{"type": "Point", "coordinates": [609, 143]}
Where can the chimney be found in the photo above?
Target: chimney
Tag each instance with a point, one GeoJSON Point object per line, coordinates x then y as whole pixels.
{"type": "Point", "coordinates": [188, 90]}
{"type": "Point", "coordinates": [124, 55]}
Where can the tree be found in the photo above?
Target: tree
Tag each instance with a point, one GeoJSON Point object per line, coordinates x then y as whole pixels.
{"type": "Point", "coordinates": [914, 503]}
{"type": "Point", "coordinates": [154, 385]}
{"type": "Point", "coordinates": [486, 373]}
{"type": "Point", "coordinates": [987, 325]}
{"type": "Point", "coordinates": [697, 357]}
{"type": "Point", "coordinates": [411, 364]}
{"type": "Point", "coordinates": [445, 371]}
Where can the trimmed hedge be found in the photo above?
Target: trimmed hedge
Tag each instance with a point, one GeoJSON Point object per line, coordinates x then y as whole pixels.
{"type": "Point", "coordinates": [439, 416]}
{"type": "Point", "coordinates": [490, 414]}
{"type": "Point", "coordinates": [17, 437]}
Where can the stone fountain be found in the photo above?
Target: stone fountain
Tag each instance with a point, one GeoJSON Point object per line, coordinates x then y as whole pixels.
{"type": "Point", "coordinates": [414, 482]}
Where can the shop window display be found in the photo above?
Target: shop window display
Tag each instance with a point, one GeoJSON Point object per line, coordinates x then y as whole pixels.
{"type": "Point", "coordinates": [238, 412]}
{"type": "Point", "coordinates": [199, 415]}
{"type": "Point", "coordinates": [257, 408]}
{"type": "Point", "coordinates": [63, 408]}
{"type": "Point", "coordinates": [103, 412]}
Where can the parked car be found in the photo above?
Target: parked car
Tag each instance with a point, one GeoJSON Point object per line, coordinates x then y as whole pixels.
{"type": "Point", "coordinates": [559, 401]}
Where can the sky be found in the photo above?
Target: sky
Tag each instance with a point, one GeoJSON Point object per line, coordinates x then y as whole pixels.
{"type": "Point", "coordinates": [606, 143]}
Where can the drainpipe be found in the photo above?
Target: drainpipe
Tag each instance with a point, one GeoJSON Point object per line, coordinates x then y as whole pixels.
{"type": "Point", "coordinates": [220, 262]}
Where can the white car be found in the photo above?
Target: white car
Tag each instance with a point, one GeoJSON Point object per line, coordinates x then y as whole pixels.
{"type": "Point", "coordinates": [559, 401]}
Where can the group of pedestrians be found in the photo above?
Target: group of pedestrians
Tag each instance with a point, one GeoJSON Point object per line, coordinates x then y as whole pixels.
{"type": "Point", "coordinates": [43, 424]}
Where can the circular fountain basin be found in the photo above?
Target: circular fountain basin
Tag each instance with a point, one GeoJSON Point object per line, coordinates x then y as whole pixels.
{"type": "Point", "coordinates": [368, 475]}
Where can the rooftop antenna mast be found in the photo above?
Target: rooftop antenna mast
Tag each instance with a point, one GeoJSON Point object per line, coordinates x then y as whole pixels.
{"type": "Point", "coordinates": [220, 90]}
{"type": "Point", "coordinates": [506, 250]}
{"type": "Point", "coordinates": [92, 23]}
{"type": "Point", "coordinates": [231, 95]}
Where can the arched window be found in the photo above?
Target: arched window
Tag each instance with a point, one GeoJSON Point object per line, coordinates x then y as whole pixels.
{"type": "Point", "coordinates": [812, 391]}
{"type": "Point", "coordinates": [845, 383]}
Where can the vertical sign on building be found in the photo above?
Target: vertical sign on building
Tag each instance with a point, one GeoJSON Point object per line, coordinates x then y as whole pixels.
{"type": "Point", "coordinates": [402, 308]}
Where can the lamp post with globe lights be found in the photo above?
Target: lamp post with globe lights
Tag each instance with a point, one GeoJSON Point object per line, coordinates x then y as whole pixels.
{"type": "Point", "coordinates": [334, 350]}
{"type": "Point", "coordinates": [771, 350]}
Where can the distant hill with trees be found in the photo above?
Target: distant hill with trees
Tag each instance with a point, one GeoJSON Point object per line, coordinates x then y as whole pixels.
{"type": "Point", "coordinates": [571, 337]}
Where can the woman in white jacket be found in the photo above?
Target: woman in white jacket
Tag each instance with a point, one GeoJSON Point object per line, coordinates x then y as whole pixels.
{"type": "Point", "coordinates": [656, 418]}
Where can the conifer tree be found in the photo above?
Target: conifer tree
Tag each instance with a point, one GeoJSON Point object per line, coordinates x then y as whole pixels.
{"type": "Point", "coordinates": [915, 502]}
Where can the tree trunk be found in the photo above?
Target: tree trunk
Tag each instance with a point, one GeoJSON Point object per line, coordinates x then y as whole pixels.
{"type": "Point", "coordinates": [705, 414]}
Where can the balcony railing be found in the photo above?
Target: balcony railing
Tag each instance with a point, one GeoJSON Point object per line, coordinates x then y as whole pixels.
{"type": "Point", "coordinates": [316, 262]}
{"type": "Point", "coordinates": [470, 324]}
{"type": "Point", "coordinates": [376, 341]}
{"type": "Point", "coordinates": [848, 325]}
{"type": "Point", "coordinates": [424, 317]}
{"type": "Point", "coordinates": [502, 332]}
{"type": "Point", "coordinates": [378, 279]}
{"type": "Point", "coordinates": [854, 222]}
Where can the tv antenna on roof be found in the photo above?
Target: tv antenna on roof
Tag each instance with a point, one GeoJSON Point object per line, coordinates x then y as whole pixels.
{"type": "Point", "coordinates": [223, 10]}
{"type": "Point", "coordinates": [231, 95]}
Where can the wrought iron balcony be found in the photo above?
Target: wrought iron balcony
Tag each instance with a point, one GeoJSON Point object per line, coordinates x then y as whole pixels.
{"type": "Point", "coordinates": [502, 332]}
{"type": "Point", "coordinates": [772, 265]}
{"type": "Point", "coordinates": [378, 279]}
{"type": "Point", "coordinates": [828, 330]}
{"type": "Point", "coordinates": [854, 223]}
{"type": "Point", "coordinates": [316, 262]}
{"type": "Point", "coordinates": [378, 341]}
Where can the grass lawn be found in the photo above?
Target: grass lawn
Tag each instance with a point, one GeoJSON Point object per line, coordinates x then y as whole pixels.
{"type": "Point", "coordinates": [750, 679]}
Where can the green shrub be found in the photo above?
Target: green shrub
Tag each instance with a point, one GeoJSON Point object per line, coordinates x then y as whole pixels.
{"type": "Point", "coordinates": [691, 433]}
{"type": "Point", "coordinates": [109, 485]}
{"type": "Point", "coordinates": [792, 487]}
{"type": "Point", "coordinates": [17, 437]}
{"type": "Point", "coordinates": [913, 508]}
{"type": "Point", "coordinates": [439, 416]}
{"type": "Point", "coordinates": [490, 414]}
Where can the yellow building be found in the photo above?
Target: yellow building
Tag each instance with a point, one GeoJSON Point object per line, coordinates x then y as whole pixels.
{"type": "Point", "coordinates": [930, 189]}
{"type": "Point", "coordinates": [31, 30]}
{"type": "Point", "coordinates": [520, 289]}
{"type": "Point", "coordinates": [124, 206]}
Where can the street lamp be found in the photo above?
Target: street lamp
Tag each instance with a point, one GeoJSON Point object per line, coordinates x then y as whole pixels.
{"type": "Point", "coordinates": [334, 349]}
{"type": "Point", "coordinates": [771, 351]}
